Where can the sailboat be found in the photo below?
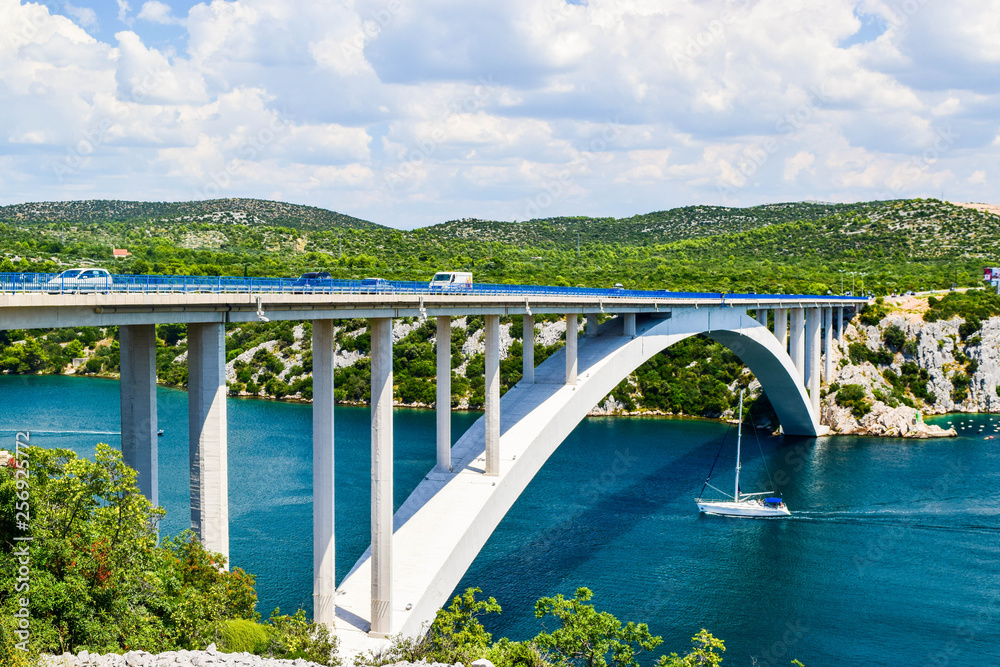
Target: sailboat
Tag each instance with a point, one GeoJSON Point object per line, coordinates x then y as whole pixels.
{"type": "Point", "coordinates": [742, 504]}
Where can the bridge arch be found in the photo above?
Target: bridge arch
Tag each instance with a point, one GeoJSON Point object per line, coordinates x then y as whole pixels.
{"type": "Point", "coordinates": [444, 523]}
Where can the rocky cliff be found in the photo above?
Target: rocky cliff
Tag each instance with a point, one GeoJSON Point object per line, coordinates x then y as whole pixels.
{"type": "Point", "coordinates": [905, 368]}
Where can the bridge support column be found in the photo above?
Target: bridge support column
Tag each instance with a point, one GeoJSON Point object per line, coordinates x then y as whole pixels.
{"type": "Point", "coordinates": [571, 331]}
{"type": "Point", "coordinates": [781, 326]}
{"type": "Point", "coordinates": [840, 324]}
{"type": "Point", "coordinates": [324, 543]}
{"type": "Point", "coordinates": [381, 598]}
{"type": "Point", "coordinates": [492, 394]}
{"type": "Point", "coordinates": [528, 354]}
{"type": "Point", "coordinates": [813, 327]}
{"type": "Point", "coordinates": [762, 317]}
{"type": "Point", "coordinates": [630, 325]}
{"type": "Point", "coordinates": [443, 406]}
{"type": "Point", "coordinates": [592, 323]}
{"type": "Point", "coordinates": [208, 436]}
{"type": "Point", "coordinates": [797, 341]}
{"type": "Point", "coordinates": [137, 344]}
{"type": "Point", "coordinates": [827, 344]}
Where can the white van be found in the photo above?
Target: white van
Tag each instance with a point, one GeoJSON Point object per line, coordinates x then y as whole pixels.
{"type": "Point", "coordinates": [451, 281]}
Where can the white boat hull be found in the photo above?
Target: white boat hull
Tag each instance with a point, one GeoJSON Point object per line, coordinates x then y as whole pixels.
{"type": "Point", "coordinates": [742, 508]}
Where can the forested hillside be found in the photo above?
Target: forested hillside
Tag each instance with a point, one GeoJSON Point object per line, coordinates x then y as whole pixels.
{"type": "Point", "coordinates": [881, 247]}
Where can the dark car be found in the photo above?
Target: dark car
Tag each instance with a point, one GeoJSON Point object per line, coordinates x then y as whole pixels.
{"type": "Point", "coordinates": [313, 281]}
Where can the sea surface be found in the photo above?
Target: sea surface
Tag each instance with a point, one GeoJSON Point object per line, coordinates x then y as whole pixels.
{"type": "Point", "coordinates": [892, 555]}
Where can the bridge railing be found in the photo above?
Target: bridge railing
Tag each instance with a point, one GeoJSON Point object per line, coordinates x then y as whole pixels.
{"type": "Point", "coordinates": [170, 284]}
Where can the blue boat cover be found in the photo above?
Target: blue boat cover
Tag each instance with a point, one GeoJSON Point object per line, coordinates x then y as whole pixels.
{"type": "Point", "coordinates": [773, 501]}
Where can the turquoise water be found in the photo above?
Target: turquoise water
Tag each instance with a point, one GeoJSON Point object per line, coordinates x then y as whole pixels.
{"type": "Point", "coordinates": [891, 558]}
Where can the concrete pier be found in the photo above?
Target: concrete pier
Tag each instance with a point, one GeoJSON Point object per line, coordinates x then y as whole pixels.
{"type": "Point", "coordinates": [629, 325]}
{"type": "Point", "coordinates": [593, 322]}
{"type": "Point", "coordinates": [137, 345]}
{"type": "Point", "coordinates": [324, 543]}
{"type": "Point", "coordinates": [492, 393]}
{"type": "Point", "coordinates": [571, 356]}
{"type": "Point", "coordinates": [813, 328]}
{"type": "Point", "coordinates": [827, 344]}
{"type": "Point", "coordinates": [443, 406]}
{"type": "Point", "coordinates": [781, 326]}
{"type": "Point", "coordinates": [528, 353]}
{"type": "Point", "coordinates": [381, 528]}
{"type": "Point", "coordinates": [207, 433]}
{"type": "Point", "coordinates": [797, 341]}
{"type": "Point", "coordinates": [840, 324]}
{"type": "Point", "coordinates": [762, 317]}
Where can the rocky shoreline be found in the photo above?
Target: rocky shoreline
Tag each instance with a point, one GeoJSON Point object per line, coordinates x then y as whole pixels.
{"type": "Point", "coordinates": [210, 656]}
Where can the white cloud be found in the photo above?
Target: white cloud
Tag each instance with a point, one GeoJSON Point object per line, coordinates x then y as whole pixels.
{"type": "Point", "coordinates": [85, 16]}
{"type": "Point", "coordinates": [444, 109]}
{"type": "Point", "coordinates": [798, 163]}
{"type": "Point", "coordinates": [155, 11]}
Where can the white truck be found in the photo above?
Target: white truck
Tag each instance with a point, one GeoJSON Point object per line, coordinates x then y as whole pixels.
{"type": "Point", "coordinates": [451, 281]}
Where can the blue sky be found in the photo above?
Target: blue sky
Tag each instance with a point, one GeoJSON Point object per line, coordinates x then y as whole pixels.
{"type": "Point", "coordinates": [411, 113]}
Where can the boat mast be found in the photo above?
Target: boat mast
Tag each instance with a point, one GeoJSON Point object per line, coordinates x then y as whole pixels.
{"type": "Point", "coordinates": [739, 435]}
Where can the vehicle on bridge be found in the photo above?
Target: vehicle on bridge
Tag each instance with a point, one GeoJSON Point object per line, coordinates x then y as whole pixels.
{"type": "Point", "coordinates": [313, 281]}
{"type": "Point", "coordinates": [375, 286]}
{"type": "Point", "coordinates": [80, 281]}
{"type": "Point", "coordinates": [452, 281]}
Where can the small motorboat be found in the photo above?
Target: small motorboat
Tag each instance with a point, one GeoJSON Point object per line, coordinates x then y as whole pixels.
{"type": "Point", "coordinates": [159, 432]}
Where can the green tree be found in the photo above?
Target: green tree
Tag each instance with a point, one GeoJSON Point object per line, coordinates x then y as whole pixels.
{"type": "Point", "coordinates": [707, 652]}
{"type": "Point", "coordinates": [586, 637]}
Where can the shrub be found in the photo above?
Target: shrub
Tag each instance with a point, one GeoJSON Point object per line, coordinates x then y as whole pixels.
{"type": "Point", "coordinates": [853, 396]}
{"type": "Point", "coordinates": [894, 338]}
{"type": "Point", "coordinates": [243, 636]}
{"type": "Point", "coordinates": [293, 637]}
{"type": "Point", "coordinates": [970, 326]}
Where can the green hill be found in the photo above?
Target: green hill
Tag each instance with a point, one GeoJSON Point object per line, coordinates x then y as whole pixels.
{"type": "Point", "coordinates": [251, 212]}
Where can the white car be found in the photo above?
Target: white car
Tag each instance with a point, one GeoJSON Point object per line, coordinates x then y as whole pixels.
{"type": "Point", "coordinates": [80, 281]}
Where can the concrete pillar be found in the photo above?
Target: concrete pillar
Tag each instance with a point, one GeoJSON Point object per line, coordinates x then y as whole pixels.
{"type": "Point", "coordinates": [813, 326]}
{"type": "Point", "coordinates": [443, 393]}
{"type": "Point", "coordinates": [840, 324]}
{"type": "Point", "coordinates": [492, 393]}
{"type": "Point", "coordinates": [381, 529]}
{"type": "Point", "coordinates": [797, 341]}
{"type": "Point", "coordinates": [781, 326]}
{"type": "Point", "coordinates": [571, 327]}
{"type": "Point", "coordinates": [528, 354]}
{"type": "Point", "coordinates": [137, 345]}
{"type": "Point", "coordinates": [762, 317]}
{"type": "Point", "coordinates": [208, 435]}
{"type": "Point", "coordinates": [324, 544]}
{"type": "Point", "coordinates": [630, 325]}
{"type": "Point", "coordinates": [592, 324]}
{"type": "Point", "coordinates": [827, 344]}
